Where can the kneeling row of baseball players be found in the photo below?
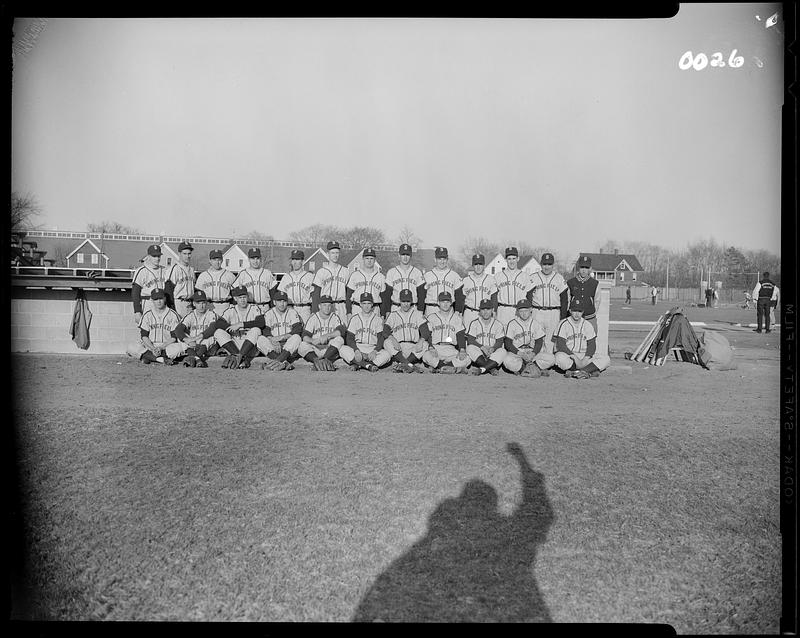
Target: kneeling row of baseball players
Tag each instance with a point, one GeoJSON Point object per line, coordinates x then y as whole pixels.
{"type": "Point", "coordinates": [408, 338]}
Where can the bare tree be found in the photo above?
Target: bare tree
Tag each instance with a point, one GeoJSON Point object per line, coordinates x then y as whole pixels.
{"type": "Point", "coordinates": [363, 236]}
{"type": "Point", "coordinates": [112, 228]}
{"type": "Point", "coordinates": [315, 234]}
{"type": "Point", "coordinates": [408, 236]}
{"type": "Point", "coordinates": [475, 245]}
{"type": "Point", "coordinates": [254, 234]}
{"type": "Point", "coordinates": [24, 208]}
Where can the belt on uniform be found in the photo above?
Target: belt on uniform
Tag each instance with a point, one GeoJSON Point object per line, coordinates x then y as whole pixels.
{"type": "Point", "coordinates": [219, 301]}
{"type": "Point", "coordinates": [547, 307]}
{"type": "Point", "coordinates": [507, 305]}
{"type": "Point", "coordinates": [445, 343]}
{"type": "Point", "coordinates": [299, 304]}
{"type": "Point", "coordinates": [144, 297]}
{"type": "Point", "coordinates": [184, 299]}
{"type": "Point", "coordinates": [432, 304]}
{"type": "Point", "coordinates": [471, 308]}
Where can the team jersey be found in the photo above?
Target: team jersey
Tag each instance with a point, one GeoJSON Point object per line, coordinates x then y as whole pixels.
{"type": "Point", "coordinates": [183, 278]}
{"type": "Point", "coordinates": [258, 283]}
{"type": "Point", "coordinates": [216, 284]}
{"type": "Point", "coordinates": [445, 327]}
{"type": "Point", "coordinates": [585, 290]}
{"type": "Point", "coordinates": [547, 289]}
{"type": "Point", "coordinates": [523, 334]}
{"type": "Point", "coordinates": [437, 281]}
{"type": "Point", "coordinates": [512, 286]}
{"type": "Point", "coordinates": [281, 323]}
{"type": "Point", "coordinates": [332, 280]}
{"type": "Point", "coordinates": [318, 325]}
{"type": "Point", "coordinates": [235, 314]}
{"type": "Point", "coordinates": [158, 326]}
{"type": "Point", "coordinates": [196, 324]}
{"type": "Point", "coordinates": [149, 279]}
{"type": "Point", "coordinates": [477, 288]}
{"type": "Point", "coordinates": [400, 278]}
{"type": "Point", "coordinates": [297, 284]}
{"type": "Point", "coordinates": [576, 334]}
{"type": "Point", "coordinates": [486, 333]}
{"type": "Point", "coordinates": [405, 325]}
{"type": "Point", "coordinates": [361, 281]}
{"type": "Point", "coordinates": [366, 328]}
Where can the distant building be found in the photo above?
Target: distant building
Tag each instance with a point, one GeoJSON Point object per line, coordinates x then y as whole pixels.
{"type": "Point", "coordinates": [618, 268]}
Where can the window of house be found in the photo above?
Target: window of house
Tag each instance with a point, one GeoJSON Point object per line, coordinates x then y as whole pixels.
{"type": "Point", "coordinates": [492, 269]}
{"type": "Point", "coordinates": [312, 266]}
{"type": "Point", "coordinates": [227, 262]}
{"type": "Point", "coordinates": [622, 275]}
{"type": "Point", "coordinates": [79, 258]}
{"type": "Point", "coordinates": [240, 262]}
{"type": "Point", "coordinates": [95, 258]}
{"type": "Point", "coordinates": [633, 276]}
{"type": "Point", "coordinates": [169, 261]}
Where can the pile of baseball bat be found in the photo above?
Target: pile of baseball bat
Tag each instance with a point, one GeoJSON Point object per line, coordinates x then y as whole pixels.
{"type": "Point", "coordinates": [647, 352]}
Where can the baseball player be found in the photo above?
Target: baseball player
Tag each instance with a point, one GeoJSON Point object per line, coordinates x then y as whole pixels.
{"type": "Point", "coordinates": [575, 345]}
{"type": "Point", "coordinates": [257, 280]}
{"type": "Point", "coordinates": [765, 293]}
{"type": "Point", "coordinates": [550, 298]}
{"type": "Point", "coordinates": [524, 342]}
{"type": "Point", "coordinates": [486, 341]}
{"type": "Point", "coordinates": [216, 282]}
{"type": "Point", "coordinates": [147, 278]}
{"type": "Point", "coordinates": [439, 279]}
{"type": "Point", "coordinates": [403, 331]}
{"type": "Point", "coordinates": [584, 287]}
{"type": "Point", "coordinates": [323, 335]}
{"type": "Point", "coordinates": [179, 284]}
{"type": "Point", "coordinates": [368, 278]}
{"type": "Point", "coordinates": [195, 332]}
{"type": "Point", "coordinates": [363, 346]}
{"type": "Point", "coordinates": [238, 330]}
{"type": "Point", "coordinates": [282, 334]}
{"type": "Point", "coordinates": [404, 276]}
{"type": "Point", "coordinates": [298, 284]}
{"type": "Point", "coordinates": [331, 280]}
{"type": "Point", "coordinates": [478, 285]}
{"type": "Point", "coordinates": [513, 285]}
{"type": "Point", "coordinates": [157, 343]}
{"type": "Point", "coordinates": [448, 349]}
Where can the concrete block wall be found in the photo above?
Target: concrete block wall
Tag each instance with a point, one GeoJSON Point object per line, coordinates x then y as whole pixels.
{"type": "Point", "coordinates": [41, 319]}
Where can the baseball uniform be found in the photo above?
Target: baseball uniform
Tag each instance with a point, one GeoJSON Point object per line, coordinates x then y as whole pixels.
{"type": "Point", "coordinates": [195, 332]}
{"type": "Point", "coordinates": [512, 287]}
{"type": "Point", "coordinates": [179, 284]}
{"type": "Point", "coordinates": [316, 328]}
{"type": "Point", "coordinates": [365, 334]}
{"type": "Point", "coordinates": [549, 298]}
{"type": "Point", "coordinates": [447, 339]}
{"type": "Point", "coordinates": [298, 286]}
{"type": "Point", "coordinates": [521, 340]}
{"type": "Point", "coordinates": [217, 285]}
{"type": "Point", "coordinates": [281, 336]}
{"type": "Point", "coordinates": [147, 278]}
{"type": "Point", "coordinates": [402, 277]}
{"type": "Point", "coordinates": [361, 281]}
{"type": "Point", "coordinates": [402, 335]}
{"type": "Point", "coordinates": [159, 327]}
{"type": "Point", "coordinates": [577, 337]}
{"type": "Point", "coordinates": [253, 321]}
{"type": "Point", "coordinates": [585, 289]}
{"type": "Point", "coordinates": [476, 289]}
{"type": "Point", "coordinates": [331, 280]}
{"type": "Point", "coordinates": [438, 281]}
{"type": "Point", "coordinates": [485, 342]}
{"type": "Point", "coordinates": [258, 282]}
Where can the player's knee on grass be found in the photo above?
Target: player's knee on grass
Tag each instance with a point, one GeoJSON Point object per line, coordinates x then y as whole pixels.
{"type": "Point", "coordinates": [222, 337]}
{"type": "Point", "coordinates": [601, 361]}
{"type": "Point", "coordinates": [545, 360]}
{"type": "Point", "coordinates": [474, 352]}
{"type": "Point", "coordinates": [336, 342]}
{"type": "Point", "coordinates": [429, 359]}
{"type": "Point", "coordinates": [512, 362]}
{"type": "Point", "coordinates": [499, 356]}
{"type": "Point", "coordinates": [347, 354]}
{"type": "Point", "coordinates": [175, 350]}
{"type": "Point", "coordinates": [292, 343]}
{"type": "Point", "coordinates": [265, 346]}
{"type": "Point", "coordinates": [391, 345]}
{"type": "Point", "coordinates": [563, 360]}
{"type": "Point", "coordinates": [460, 363]}
{"type": "Point", "coordinates": [135, 350]}
{"type": "Point", "coordinates": [305, 348]}
{"type": "Point", "coordinates": [382, 358]}
{"type": "Point", "coordinates": [253, 334]}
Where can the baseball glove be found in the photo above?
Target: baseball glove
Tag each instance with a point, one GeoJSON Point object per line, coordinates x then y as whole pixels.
{"type": "Point", "coordinates": [190, 361]}
{"type": "Point", "coordinates": [358, 357]}
{"type": "Point", "coordinates": [272, 364]}
{"type": "Point", "coordinates": [231, 361]}
{"type": "Point", "coordinates": [324, 365]}
{"type": "Point", "coordinates": [526, 355]}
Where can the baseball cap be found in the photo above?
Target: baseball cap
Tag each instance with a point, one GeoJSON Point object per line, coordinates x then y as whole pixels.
{"type": "Point", "coordinates": [366, 296]}
{"type": "Point", "coordinates": [254, 252]}
{"type": "Point", "coordinates": [584, 261]}
{"type": "Point", "coordinates": [406, 295]}
{"type": "Point", "coordinates": [326, 299]}
{"type": "Point", "coordinates": [478, 259]}
{"type": "Point", "coordinates": [158, 293]}
{"type": "Point", "coordinates": [199, 295]}
{"type": "Point", "coordinates": [445, 296]}
{"type": "Point", "coordinates": [332, 245]}
{"type": "Point", "coordinates": [576, 304]}
{"type": "Point", "coordinates": [486, 303]}
{"type": "Point", "coordinates": [239, 291]}
{"type": "Point", "coordinates": [154, 250]}
{"type": "Point", "coordinates": [512, 250]}
{"type": "Point", "coordinates": [185, 245]}
{"type": "Point", "coordinates": [369, 252]}
{"type": "Point", "coordinates": [298, 254]}
{"type": "Point", "coordinates": [440, 252]}
{"type": "Point", "coordinates": [215, 254]}
{"type": "Point", "coordinates": [405, 249]}
{"type": "Point", "coordinates": [524, 303]}
{"type": "Point", "coordinates": [279, 295]}
{"type": "Point", "coordinates": [547, 258]}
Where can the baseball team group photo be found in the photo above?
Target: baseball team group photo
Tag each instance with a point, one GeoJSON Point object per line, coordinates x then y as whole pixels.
{"type": "Point", "coordinates": [402, 320]}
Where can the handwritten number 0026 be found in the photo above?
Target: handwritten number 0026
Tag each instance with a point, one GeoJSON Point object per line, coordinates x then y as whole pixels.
{"type": "Point", "coordinates": [700, 61]}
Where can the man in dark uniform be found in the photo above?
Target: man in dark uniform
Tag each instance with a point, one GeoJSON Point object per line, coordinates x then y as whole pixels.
{"type": "Point", "coordinates": [764, 293]}
{"type": "Point", "coordinates": [584, 287]}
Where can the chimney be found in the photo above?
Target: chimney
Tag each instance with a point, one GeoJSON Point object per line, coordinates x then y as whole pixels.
{"type": "Point", "coordinates": [616, 251]}
{"type": "Point", "coordinates": [601, 251]}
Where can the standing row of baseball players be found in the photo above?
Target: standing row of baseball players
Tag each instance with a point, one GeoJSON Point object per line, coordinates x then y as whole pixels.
{"type": "Point", "coordinates": [437, 319]}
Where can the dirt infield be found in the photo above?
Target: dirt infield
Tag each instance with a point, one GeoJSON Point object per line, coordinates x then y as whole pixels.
{"type": "Point", "coordinates": [175, 493]}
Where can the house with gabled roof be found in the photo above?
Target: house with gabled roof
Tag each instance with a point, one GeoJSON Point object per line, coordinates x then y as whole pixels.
{"type": "Point", "coordinates": [87, 254]}
{"type": "Point", "coordinates": [498, 264]}
{"type": "Point", "coordinates": [618, 268]}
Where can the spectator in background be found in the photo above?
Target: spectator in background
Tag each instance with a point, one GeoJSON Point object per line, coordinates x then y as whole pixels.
{"type": "Point", "coordinates": [709, 297]}
{"type": "Point", "coordinates": [654, 294]}
{"type": "Point", "coordinates": [628, 295]}
{"type": "Point", "coordinates": [764, 294]}
{"type": "Point", "coordinates": [776, 297]}
{"type": "Point", "coordinates": [716, 298]}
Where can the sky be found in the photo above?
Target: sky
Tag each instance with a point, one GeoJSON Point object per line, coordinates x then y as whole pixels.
{"type": "Point", "coordinates": [559, 133]}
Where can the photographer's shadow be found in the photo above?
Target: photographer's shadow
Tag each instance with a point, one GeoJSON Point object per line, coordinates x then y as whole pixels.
{"type": "Point", "coordinates": [474, 564]}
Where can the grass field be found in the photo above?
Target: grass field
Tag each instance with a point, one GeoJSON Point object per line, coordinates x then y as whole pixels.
{"type": "Point", "coordinates": [156, 493]}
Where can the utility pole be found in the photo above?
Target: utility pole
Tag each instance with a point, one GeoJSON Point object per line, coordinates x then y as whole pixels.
{"type": "Point", "coordinates": [667, 286]}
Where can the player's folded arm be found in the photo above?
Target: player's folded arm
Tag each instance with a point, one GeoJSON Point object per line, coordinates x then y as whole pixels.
{"type": "Point", "coordinates": [379, 344]}
{"type": "Point", "coordinates": [145, 334]}
{"type": "Point", "coordinates": [297, 329]}
{"type": "Point", "coordinates": [472, 340]}
{"type": "Point", "coordinates": [258, 322]}
{"type": "Point", "coordinates": [591, 347]}
{"type": "Point", "coordinates": [308, 337]}
{"type": "Point", "coordinates": [180, 332]}
{"type": "Point", "coordinates": [537, 345]}
{"type": "Point", "coordinates": [459, 299]}
{"type": "Point", "coordinates": [350, 340]}
{"type": "Point", "coordinates": [564, 303]}
{"type": "Point", "coordinates": [421, 293]}
{"type": "Point", "coordinates": [561, 345]}
{"type": "Point", "coordinates": [425, 331]}
{"type": "Point", "coordinates": [136, 297]}
{"type": "Point", "coordinates": [461, 340]}
{"type": "Point", "coordinates": [509, 345]}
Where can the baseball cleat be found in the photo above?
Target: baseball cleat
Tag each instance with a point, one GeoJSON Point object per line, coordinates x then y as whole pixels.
{"type": "Point", "coordinates": [244, 364]}
{"type": "Point", "coordinates": [545, 373]}
{"type": "Point", "coordinates": [190, 362]}
{"type": "Point", "coordinates": [397, 367]}
{"type": "Point", "coordinates": [532, 371]}
{"type": "Point", "coordinates": [202, 364]}
{"type": "Point", "coordinates": [372, 367]}
{"type": "Point", "coordinates": [568, 374]}
{"type": "Point", "coordinates": [353, 367]}
{"type": "Point", "coordinates": [287, 366]}
{"type": "Point", "coordinates": [494, 372]}
{"type": "Point", "coordinates": [580, 374]}
{"type": "Point", "coordinates": [594, 375]}
{"type": "Point", "coordinates": [447, 370]}
{"type": "Point", "coordinates": [477, 371]}
{"type": "Point", "coordinates": [409, 368]}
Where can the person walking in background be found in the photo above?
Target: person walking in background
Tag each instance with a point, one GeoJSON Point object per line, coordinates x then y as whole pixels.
{"type": "Point", "coordinates": [654, 294]}
{"type": "Point", "coordinates": [709, 297]}
{"type": "Point", "coordinates": [776, 297]}
{"type": "Point", "coordinates": [764, 293]}
{"type": "Point", "coordinates": [628, 295]}
{"type": "Point", "coordinates": [716, 298]}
